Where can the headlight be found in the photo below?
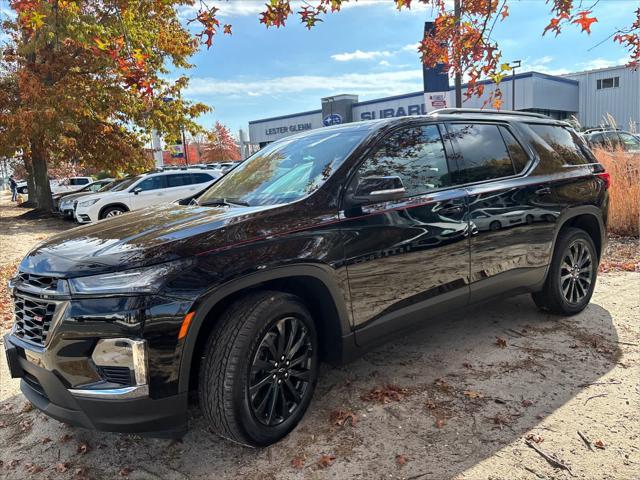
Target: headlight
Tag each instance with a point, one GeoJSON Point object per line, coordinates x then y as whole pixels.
{"type": "Point", "coordinates": [88, 203]}
{"type": "Point", "coordinates": [139, 280]}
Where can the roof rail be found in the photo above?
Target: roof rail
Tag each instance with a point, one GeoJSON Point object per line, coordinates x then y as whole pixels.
{"type": "Point", "coordinates": [452, 111]}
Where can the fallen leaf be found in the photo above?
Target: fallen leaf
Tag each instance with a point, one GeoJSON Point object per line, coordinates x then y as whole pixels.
{"type": "Point", "coordinates": [81, 473]}
{"type": "Point", "coordinates": [13, 464]}
{"type": "Point", "coordinates": [472, 394]}
{"type": "Point", "coordinates": [526, 403]}
{"type": "Point", "coordinates": [25, 425]}
{"type": "Point", "coordinates": [501, 342]}
{"type": "Point", "coordinates": [440, 423]}
{"type": "Point", "coordinates": [599, 444]}
{"type": "Point", "coordinates": [45, 440]}
{"type": "Point", "coordinates": [31, 468]}
{"type": "Point", "coordinates": [430, 405]}
{"type": "Point", "coordinates": [297, 462]}
{"type": "Point", "coordinates": [66, 437]}
{"type": "Point", "coordinates": [124, 472]}
{"type": "Point", "coordinates": [385, 394]}
{"type": "Point", "coordinates": [467, 365]}
{"type": "Point", "coordinates": [341, 417]}
{"type": "Point", "coordinates": [401, 459]}
{"type": "Point", "coordinates": [26, 408]}
{"type": "Point", "coordinates": [325, 461]}
{"type": "Point", "coordinates": [83, 448]}
{"type": "Point", "coordinates": [62, 467]}
{"type": "Point", "coordinates": [535, 438]}
{"type": "Point", "coordinates": [442, 384]}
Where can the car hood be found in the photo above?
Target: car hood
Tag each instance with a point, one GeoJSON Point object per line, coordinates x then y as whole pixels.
{"type": "Point", "coordinates": [73, 196]}
{"type": "Point", "coordinates": [143, 237]}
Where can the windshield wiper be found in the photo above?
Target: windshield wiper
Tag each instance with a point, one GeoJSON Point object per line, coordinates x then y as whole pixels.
{"type": "Point", "coordinates": [224, 201]}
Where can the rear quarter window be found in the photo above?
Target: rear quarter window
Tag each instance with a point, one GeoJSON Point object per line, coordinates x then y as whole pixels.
{"type": "Point", "coordinates": [557, 147]}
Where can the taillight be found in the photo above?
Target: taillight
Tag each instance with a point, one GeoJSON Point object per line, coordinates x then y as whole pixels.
{"type": "Point", "coordinates": [607, 179]}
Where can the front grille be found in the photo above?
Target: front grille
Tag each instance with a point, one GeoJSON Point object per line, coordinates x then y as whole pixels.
{"type": "Point", "coordinates": [38, 281]}
{"type": "Point", "coordinates": [120, 375]}
{"type": "Point", "coordinates": [33, 318]}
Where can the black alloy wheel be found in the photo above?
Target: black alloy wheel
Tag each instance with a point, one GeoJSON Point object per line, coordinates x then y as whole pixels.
{"type": "Point", "coordinates": [280, 371]}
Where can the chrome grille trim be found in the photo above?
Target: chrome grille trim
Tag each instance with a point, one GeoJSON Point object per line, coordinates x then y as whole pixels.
{"type": "Point", "coordinates": [35, 318]}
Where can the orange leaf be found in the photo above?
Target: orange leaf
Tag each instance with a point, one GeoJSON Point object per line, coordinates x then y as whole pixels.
{"type": "Point", "coordinates": [585, 21]}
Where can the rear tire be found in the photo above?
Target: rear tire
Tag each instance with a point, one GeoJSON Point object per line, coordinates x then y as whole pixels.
{"type": "Point", "coordinates": [572, 274]}
{"type": "Point", "coordinates": [259, 369]}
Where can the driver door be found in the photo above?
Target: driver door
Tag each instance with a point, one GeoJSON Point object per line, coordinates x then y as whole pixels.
{"type": "Point", "coordinates": [406, 258]}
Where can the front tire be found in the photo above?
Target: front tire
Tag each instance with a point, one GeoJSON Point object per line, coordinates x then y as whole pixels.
{"type": "Point", "coordinates": [572, 274]}
{"type": "Point", "coordinates": [110, 212]}
{"type": "Point", "coordinates": [259, 369]}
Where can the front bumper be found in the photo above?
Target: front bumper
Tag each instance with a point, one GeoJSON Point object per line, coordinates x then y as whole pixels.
{"type": "Point", "coordinates": [162, 417]}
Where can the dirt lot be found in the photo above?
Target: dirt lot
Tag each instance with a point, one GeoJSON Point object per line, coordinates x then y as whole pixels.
{"type": "Point", "coordinates": [455, 400]}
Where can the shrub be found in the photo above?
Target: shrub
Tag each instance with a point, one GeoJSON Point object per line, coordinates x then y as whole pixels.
{"type": "Point", "coordinates": [624, 193]}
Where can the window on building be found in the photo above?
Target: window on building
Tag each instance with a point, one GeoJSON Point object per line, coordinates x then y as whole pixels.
{"type": "Point", "coordinates": [611, 82]}
{"type": "Point", "coordinates": [416, 155]}
{"type": "Point", "coordinates": [482, 152]}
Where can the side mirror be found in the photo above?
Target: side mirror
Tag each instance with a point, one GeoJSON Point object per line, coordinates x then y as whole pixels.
{"type": "Point", "coordinates": [379, 189]}
{"type": "Point", "coordinates": [137, 190]}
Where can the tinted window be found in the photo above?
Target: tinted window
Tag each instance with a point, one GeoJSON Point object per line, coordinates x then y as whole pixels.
{"type": "Point", "coordinates": [152, 183]}
{"type": "Point", "coordinates": [629, 141]}
{"type": "Point", "coordinates": [94, 187]}
{"type": "Point", "coordinates": [559, 147]}
{"type": "Point", "coordinates": [518, 156]}
{"type": "Point", "coordinates": [200, 177]}
{"type": "Point", "coordinates": [482, 152]}
{"type": "Point", "coordinates": [414, 154]}
{"type": "Point", "coordinates": [179, 180]}
{"type": "Point", "coordinates": [78, 181]}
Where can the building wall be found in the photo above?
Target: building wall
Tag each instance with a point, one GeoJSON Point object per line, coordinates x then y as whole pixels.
{"type": "Point", "coordinates": [268, 130]}
{"type": "Point", "coordinates": [622, 102]}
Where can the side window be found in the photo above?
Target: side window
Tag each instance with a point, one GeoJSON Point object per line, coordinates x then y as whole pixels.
{"type": "Point", "coordinates": [178, 180]}
{"type": "Point", "coordinates": [96, 186]}
{"type": "Point", "coordinates": [560, 147]}
{"type": "Point", "coordinates": [482, 153]}
{"type": "Point", "coordinates": [518, 156]}
{"type": "Point", "coordinates": [629, 141]}
{"type": "Point", "coordinates": [416, 155]}
{"type": "Point", "coordinates": [152, 183]}
{"type": "Point", "coordinates": [200, 178]}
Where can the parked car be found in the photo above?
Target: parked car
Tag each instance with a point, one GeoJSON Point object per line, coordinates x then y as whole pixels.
{"type": "Point", "coordinates": [64, 202]}
{"type": "Point", "coordinates": [316, 248]}
{"type": "Point", "coordinates": [141, 191]}
{"type": "Point", "coordinates": [66, 185]}
{"type": "Point", "coordinates": [611, 140]}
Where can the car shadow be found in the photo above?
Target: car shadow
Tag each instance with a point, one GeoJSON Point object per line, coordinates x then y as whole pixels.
{"type": "Point", "coordinates": [445, 397]}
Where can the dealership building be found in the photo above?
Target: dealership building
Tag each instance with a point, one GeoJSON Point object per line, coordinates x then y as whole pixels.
{"type": "Point", "coordinates": [593, 97]}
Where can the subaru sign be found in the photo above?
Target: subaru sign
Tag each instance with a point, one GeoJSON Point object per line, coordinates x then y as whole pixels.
{"type": "Point", "coordinates": [333, 119]}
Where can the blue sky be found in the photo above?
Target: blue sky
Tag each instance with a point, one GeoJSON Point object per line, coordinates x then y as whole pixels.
{"type": "Point", "coordinates": [367, 49]}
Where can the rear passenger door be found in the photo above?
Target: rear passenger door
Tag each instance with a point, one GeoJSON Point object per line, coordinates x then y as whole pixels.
{"type": "Point", "coordinates": [406, 259]}
{"type": "Point", "coordinates": [511, 226]}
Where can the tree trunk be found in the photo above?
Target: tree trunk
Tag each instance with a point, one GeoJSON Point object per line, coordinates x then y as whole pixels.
{"type": "Point", "coordinates": [42, 196]}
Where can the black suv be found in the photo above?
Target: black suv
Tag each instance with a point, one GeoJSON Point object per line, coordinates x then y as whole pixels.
{"type": "Point", "coordinates": [317, 247]}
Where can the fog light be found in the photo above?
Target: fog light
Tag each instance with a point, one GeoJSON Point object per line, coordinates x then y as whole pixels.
{"type": "Point", "coordinates": [123, 353]}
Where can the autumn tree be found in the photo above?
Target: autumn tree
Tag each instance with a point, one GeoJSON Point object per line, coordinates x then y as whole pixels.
{"type": "Point", "coordinates": [88, 82]}
{"type": "Point", "coordinates": [220, 145]}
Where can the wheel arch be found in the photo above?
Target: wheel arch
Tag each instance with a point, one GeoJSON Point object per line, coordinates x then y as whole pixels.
{"type": "Point", "coordinates": [111, 205]}
{"type": "Point", "coordinates": [314, 284]}
{"type": "Point", "coordinates": [589, 219]}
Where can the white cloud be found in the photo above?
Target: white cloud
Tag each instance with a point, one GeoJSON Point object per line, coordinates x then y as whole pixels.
{"type": "Point", "coordinates": [543, 60]}
{"type": "Point", "coordinates": [384, 63]}
{"type": "Point", "coordinates": [382, 83]}
{"type": "Point", "coordinates": [360, 55]}
{"type": "Point", "coordinates": [412, 47]}
{"type": "Point", "coordinates": [602, 63]}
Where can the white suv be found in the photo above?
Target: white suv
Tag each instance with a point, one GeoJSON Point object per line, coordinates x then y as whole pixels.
{"type": "Point", "coordinates": [142, 191]}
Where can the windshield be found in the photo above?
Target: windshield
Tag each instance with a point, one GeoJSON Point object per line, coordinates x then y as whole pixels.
{"type": "Point", "coordinates": [125, 183]}
{"type": "Point", "coordinates": [111, 185]}
{"type": "Point", "coordinates": [286, 170]}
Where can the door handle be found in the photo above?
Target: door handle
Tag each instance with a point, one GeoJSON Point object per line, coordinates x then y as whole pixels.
{"type": "Point", "coordinates": [543, 191]}
{"type": "Point", "coordinates": [450, 208]}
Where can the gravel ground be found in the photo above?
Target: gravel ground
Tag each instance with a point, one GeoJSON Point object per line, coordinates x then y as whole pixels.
{"type": "Point", "coordinates": [455, 400]}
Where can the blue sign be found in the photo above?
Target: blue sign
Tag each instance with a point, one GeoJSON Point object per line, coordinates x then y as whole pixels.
{"type": "Point", "coordinates": [333, 119]}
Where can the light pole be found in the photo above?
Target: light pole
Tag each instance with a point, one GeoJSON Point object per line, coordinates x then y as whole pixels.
{"type": "Point", "coordinates": [458, 77]}
{"type": "Point", "coordinates": [515, 64]}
